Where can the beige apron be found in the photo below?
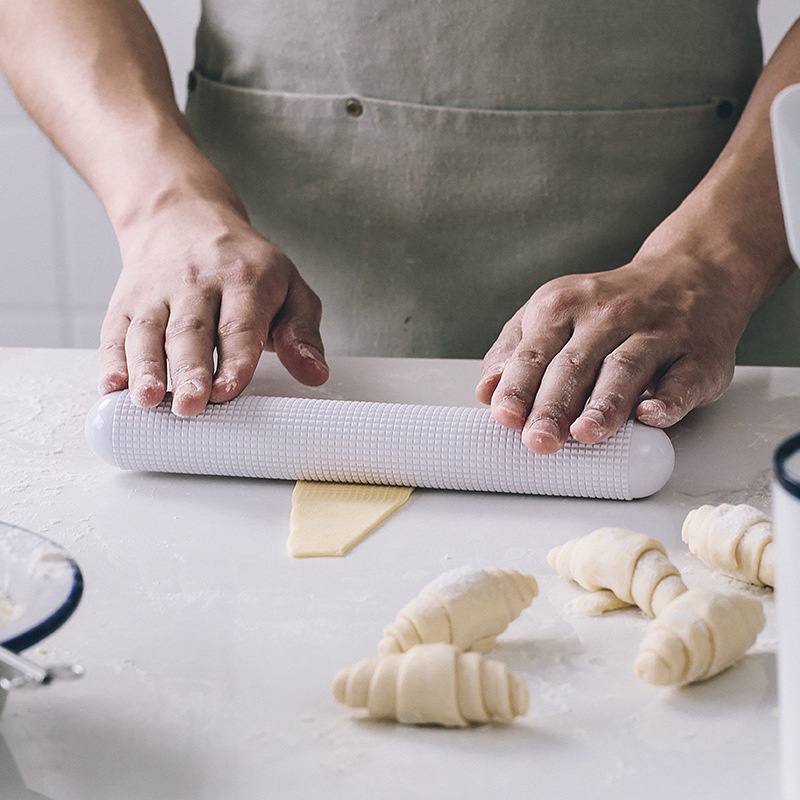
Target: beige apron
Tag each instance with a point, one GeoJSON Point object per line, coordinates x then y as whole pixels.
{"type": "Point", "coordinates": [428, 165]}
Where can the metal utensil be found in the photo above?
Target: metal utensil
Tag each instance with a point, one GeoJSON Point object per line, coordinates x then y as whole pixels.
{"type": "Point", "coordinates": [17, 672]}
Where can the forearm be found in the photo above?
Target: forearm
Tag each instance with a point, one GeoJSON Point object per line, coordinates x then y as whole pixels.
{"type": "Point", "coordinates": [199, 287]}
{"type": "Point", "coordinates": [93, 75]}
{"type": "Point", "coordinates": [732, 221]}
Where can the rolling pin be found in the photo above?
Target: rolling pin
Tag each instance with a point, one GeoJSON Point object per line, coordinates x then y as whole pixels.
{"type": "Point", "coordinates": [350, 441]}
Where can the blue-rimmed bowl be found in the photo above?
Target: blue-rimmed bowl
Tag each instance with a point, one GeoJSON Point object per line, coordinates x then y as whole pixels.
{"type": "Point", "coordinates": [40, 587]}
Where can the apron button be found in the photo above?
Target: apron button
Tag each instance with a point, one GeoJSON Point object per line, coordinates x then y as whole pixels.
{"type": "Point", "coordinates": [725, 109]}
{"type": "Point", "coordinates": [353, 107]}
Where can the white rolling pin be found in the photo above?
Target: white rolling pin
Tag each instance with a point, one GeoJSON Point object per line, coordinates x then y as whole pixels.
{"type": "Point", "coordinates": [349, 441]}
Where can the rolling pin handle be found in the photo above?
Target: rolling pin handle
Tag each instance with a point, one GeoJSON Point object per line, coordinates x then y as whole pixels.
{"type": "Point", "coordinates": [98, 426]}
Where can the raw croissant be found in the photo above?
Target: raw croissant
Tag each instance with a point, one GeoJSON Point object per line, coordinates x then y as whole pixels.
{"type": "Point", "coordinates": [468, 607]}
{"type": "Point", "coordinates": [620, 567]}
{"type": "Point", "coordinates": [433, 684]}
{"type": "Point", "coordinates": [734, 539]}
{"type": "Point", "coordinates": [696, 636]}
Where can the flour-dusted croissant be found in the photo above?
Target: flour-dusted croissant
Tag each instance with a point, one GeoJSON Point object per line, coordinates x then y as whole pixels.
{"type": "Point", "coordinates": [468, 607]}
{"type": "Point", "coordinates": [736, 540]}
{"type": "Point", "coordinates": [696, 636]}
{"type": "Point", "coordinates": [620, 567]}
{"type": "Point", "coordinates": [434, 684]}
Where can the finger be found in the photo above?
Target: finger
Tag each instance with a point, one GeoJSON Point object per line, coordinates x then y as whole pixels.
{"type": "Point", "coordinates": [687, 384]}
{"type": "Point", "coordinates": [496, 357]}
{"type": "Point", "coordinates": [295, 335]}
{"type": "Point", "coordinates": [514, 396]}
{"type": "Point", "coordinates": [562, 393]}
{"type": "Point", "coordinates": [624, 375]}
{"type": "Point", "coordinates": [567, 384]}
{"type": "Point", "coordinates": [241, 338]}
{"type": "Point", "coordinates": [144, 351]}
{"type": "Point", "coordinates": [189, 343]}
{"type": "Point", "coordinates": [113, 363]}
{"type": "Point", "coordinates": [513, 399]}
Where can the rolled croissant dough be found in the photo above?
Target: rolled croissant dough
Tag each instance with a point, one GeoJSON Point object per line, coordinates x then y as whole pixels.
{"type": "Point", "coordinates": [328, 519]}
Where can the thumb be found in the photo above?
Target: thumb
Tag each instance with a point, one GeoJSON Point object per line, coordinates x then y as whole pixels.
{"type": "Point", "coordinates": [295, 335]}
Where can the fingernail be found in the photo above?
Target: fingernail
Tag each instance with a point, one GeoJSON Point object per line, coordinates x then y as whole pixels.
{"type": "Point", "coordinates": [591, 420]}
{"type": "Point", "coordinates": [544, 431]}
{"type": "Point", "coordinates": [147, 391]}
{"type": "Point", "coordinates": [654, 412]}
{"type": "Point", "coordinates": [491, 374]}
{"type": "Point", "coordinates": [514, 407]}
{"type": "Point", "coordinates": [112, 383]}
{"type": "Point", "coordinates": [185, 393]}
{"type": "Point", "coordinates": [307, 351]}
{"type": "Point", "coordinates": [224, 384]}
{"type": "Point", "coordinates": [190, 387]}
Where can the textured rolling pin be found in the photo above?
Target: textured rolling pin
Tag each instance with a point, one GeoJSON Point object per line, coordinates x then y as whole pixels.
{"type": "Point", "coordinates": [348, 441]}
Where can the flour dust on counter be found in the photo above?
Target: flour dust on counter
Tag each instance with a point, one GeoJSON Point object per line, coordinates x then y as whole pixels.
{"type": "Point", "coordinates": [40, 407]}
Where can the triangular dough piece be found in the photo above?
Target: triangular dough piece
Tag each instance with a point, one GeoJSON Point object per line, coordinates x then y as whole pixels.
{"type": "Point", "coordinates": [328, 519]}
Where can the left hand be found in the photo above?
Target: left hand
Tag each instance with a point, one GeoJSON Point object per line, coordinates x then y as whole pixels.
{"type": "Point", "coordinates": [578, 356]}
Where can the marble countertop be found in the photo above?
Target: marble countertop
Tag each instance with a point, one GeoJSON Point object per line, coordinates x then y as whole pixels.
{"type": "Point", "coordinates": [209, 653]}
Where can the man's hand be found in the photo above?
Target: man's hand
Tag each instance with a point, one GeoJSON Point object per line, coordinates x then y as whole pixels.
{"type": "Point", "coordinates": [196, 279]}
{"type": "Point", "coordinates": [577, 358]}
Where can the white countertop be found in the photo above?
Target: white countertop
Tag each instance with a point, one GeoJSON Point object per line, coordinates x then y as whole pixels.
{"type": "Point", "coordinates": [209, 654]}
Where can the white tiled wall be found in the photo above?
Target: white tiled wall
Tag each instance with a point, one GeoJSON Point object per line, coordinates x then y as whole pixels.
{"type": "Point", "coordinates": [58, 255]}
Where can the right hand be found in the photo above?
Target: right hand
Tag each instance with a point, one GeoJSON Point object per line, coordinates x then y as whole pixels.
{"type": "Point", "coordinates": [197, 277]}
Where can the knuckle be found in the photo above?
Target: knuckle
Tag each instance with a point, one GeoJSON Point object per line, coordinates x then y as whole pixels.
{"type": "Point", "coordinates": [144, 364]}
{"type": "Point", "coordinates": [145, 323]}
{"type": "Point", "coordinates": [186, 324]}
{"type": "Point", "coordinates": [556, 300]}
{"type": "Point", "coordinates": [192, 275]}
{"type": "Point", "coordinates": [494, 362]}
{"type": "Point", "coordinates": [238, 327]}
{"type": "Point", "coordinates": [625, 361]}
{"type": "Point", "coordinates": [612, 310]}
{"type": "Point", "coordinates": [516, 391]}
{"type": "Point", "coordinates": [309, 298]}
{"type": "Point", "coordinates": [573, 360]}
{"type": "Point", "coordinates": [531, 358]}
{"type": "Point", "coordinates": [554, 409]}
{"type": "Point", "coordinates": [609, 403]}
{"type": "Point", "coordinates": [185, 370]}
{"type": "Point", "coordinates": [696, 382]}
{"type": "Point", "coordinates": [190, 379]}
{"type": "Point", "coordinates": [112, 346]}
{"type": "Point", "coordinates": [243, 273]}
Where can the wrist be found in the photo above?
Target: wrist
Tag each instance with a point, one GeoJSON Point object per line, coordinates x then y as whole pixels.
{"type": "Point", "coordinates": [160, 173]}
{"type": "Point", "coordinates": [718, 236]}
